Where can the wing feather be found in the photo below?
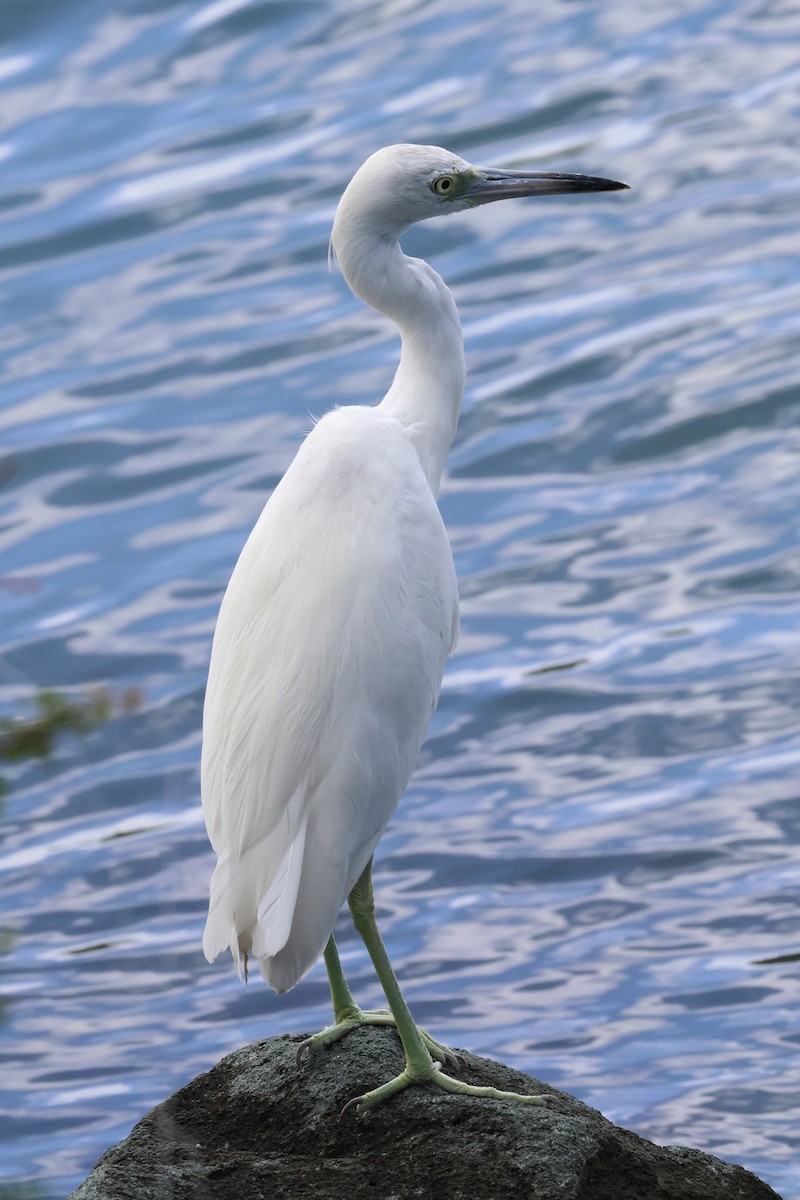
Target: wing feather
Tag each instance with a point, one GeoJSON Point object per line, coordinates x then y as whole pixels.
{"type": "Point", "coordinates": [326, 666]}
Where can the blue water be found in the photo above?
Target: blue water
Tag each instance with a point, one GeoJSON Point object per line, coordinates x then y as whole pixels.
{"type": "Point", "coordinates": [601, 844]}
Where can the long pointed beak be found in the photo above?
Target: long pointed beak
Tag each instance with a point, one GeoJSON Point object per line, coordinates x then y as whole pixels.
{"type": "Point", "coordinates": [492, 184]}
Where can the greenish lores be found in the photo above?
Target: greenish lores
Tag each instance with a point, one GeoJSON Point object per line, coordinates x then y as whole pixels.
{"type": "Point", "coordinates": [452, 187]}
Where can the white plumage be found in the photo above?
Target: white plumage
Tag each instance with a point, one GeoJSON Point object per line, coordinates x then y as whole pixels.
{"type": "Point", "coordinates": [326, 666]}
{"type": "Point", "coordinates": [339, 616]}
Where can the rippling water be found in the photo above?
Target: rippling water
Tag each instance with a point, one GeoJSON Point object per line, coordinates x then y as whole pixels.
{"type": "Point", "coordinates": [600, 848]}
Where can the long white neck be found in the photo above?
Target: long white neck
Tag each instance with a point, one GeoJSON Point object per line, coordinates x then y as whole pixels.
{"type": "Point", "coordinates": [427, 388]}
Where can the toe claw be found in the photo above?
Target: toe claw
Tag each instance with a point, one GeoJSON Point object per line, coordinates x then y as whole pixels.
{"type": "Point", "coordinates": [303, 1053]}
{"type": "Point", "coordinates": [453, 1059]}
{"type": "Point", "coordinates": [354, 1103]}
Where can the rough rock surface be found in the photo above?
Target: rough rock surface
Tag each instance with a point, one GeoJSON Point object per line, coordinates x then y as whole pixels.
{"type": "Point", "coordinates": [257, 1126]}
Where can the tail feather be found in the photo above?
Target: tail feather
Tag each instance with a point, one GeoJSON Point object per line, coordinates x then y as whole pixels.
{"type": "Point", "coordinates": [314, 917]}
{"type": "Point", "coordinates": [327, 880]}
{"type": "Point", "coordinates": [220, 930]}
{"type": "Point", "coordinates": [253, 899]}
{"type": "Point", "coordinates": [279, 900]}
{"type": "Point", "coordinates": [275, 912]}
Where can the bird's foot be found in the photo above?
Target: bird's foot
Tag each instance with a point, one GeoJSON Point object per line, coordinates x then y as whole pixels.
{"type": "Point", "coordinates": [357, 1017]}
{"type": "Point", "coordinates": [437, 1078]}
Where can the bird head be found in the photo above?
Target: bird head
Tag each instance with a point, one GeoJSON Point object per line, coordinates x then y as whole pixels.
{"type": "Point", "coordinates": [400, 185]}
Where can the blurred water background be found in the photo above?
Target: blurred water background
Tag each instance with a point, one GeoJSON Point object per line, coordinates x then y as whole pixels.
{"type": "Point", "coordinates": [600, 848]}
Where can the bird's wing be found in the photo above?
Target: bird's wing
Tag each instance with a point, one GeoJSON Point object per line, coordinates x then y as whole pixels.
{"type": "Point", "coordinates": [330, 644]}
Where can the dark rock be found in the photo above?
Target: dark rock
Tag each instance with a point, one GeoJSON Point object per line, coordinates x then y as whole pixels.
{"type": "Point", "coordinates": [257, 1126]}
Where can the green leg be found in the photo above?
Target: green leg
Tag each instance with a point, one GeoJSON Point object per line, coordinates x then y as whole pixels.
{"type": "Point", "coordinates": [347, 1015]}
{"type": "Point", "coordinates": [344, 1006]}
{"type": "Point", "coordinates": [420, 1067]}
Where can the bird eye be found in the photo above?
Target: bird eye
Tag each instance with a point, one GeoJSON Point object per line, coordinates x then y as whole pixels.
{"type": "Point", "coordinates": [443, 185]}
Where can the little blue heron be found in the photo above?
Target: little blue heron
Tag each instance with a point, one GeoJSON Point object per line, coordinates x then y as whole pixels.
{"type": "Point", "coordinates": [338, 619]}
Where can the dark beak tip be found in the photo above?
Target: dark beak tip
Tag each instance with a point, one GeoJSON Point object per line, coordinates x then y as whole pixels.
{"type": "Point", "coordinates": [612, 185]}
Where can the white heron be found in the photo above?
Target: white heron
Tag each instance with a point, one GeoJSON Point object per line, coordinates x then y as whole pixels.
{"type": "Point", "coordinates": [338, 619]}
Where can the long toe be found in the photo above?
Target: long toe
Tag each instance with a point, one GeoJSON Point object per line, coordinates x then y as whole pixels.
{"type": "Point", "coordinates": [379, 1094]}
{"type": "Point", "coordinates": [325, 1037]}
{"type": "Point", "coordinates": [382, 1018]}
{"type": "Point", "coordinates": [456, 1087]}
{"type": "Point", "coordinates": [441, 1053]}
